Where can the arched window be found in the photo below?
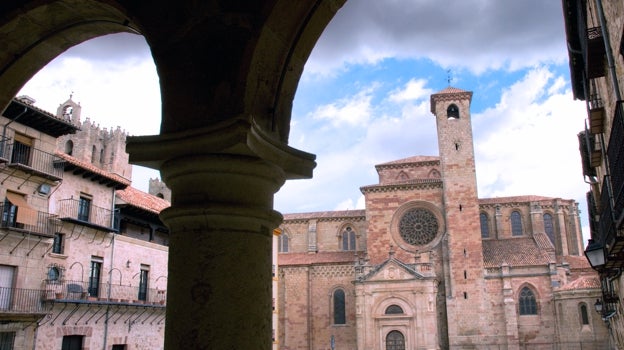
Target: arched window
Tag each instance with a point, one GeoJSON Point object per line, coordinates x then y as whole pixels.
{"type": "Point", "coordinates": [102, 156]}
{"type": "Point", "coordinates": [339, 307]}
{"type": "Point", "coordinates": [348, 239]}
{"type": "Point", "coordinates": [93, 152]}
{"type": "Point", "coordinates": [282, 243]}
{"type": "Point", "coordinates": [394, 310]}
{"type": "Point", "coordinates": [526, 302]}
{"type": "Point", "coordinates": [395, 341]}
{"type": "Point", "coordinates": [485, 229]}
{"type": "Point", "coordinates": [548, 227]}
{"type": "Point", "coordinates": [69, 147]}
{"type": "Point", "coordinates": [452, 111]}
{"type": "Point", "coordinates": [516, 224]}
{"type": "Point", "coordinates": [584, 315]}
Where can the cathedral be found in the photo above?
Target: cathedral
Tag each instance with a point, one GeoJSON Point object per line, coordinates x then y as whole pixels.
{"type": "Point", "coordinates": [430, 265]}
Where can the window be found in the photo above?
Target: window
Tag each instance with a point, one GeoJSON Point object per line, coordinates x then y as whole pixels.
{"type": "Point", "coordinates": [282, 243]}
{"type": "Point", "coordinates": [143, 280]}
{"type": "Point", "coordinates": [394, 310]}
{"type": "Point", "coordinates": [72, 342]}
{"type": "Point", "coordinates": [485, 230]}
{"type": "Point", "coordinates": [21, 149]}
{"type": "Point", "coordinates": [452, 111]}
{"type": "Point", "coordinates": [7, 279]}
{"type": "Point", "coordinates": [69, 147]}
{"type": "Point", "coordinates": [526, 302]}
{"type": "Point", "coordinates": [516, 224]}
{"type": "Point", "coordinates": [395, 341]}
{"type": "Point", "coordinates": [119, 347]}
{"type": "Point", "coordinates": [584, 315]}
{"type": "Point", "coordinates": [93, 152]}
{"type": "Point", "coordinates": [348, 239]}
{"type": "Point", "coordinates": [17, 213]}
{"type": "Point", "coordinates": [94, 276]}
{"type": "Point", "coordinates": [84, 208]}
{"type": "Point", "coordinates": [7, 340]}
{"type": "Point", "coordinates": [54, 274]}
{"type": "Point", "coordinates": [58, 243]}
{"type": "Point", "coordinates": [339, 307]}
{"type": "Point", "coordinates": [548, 227]}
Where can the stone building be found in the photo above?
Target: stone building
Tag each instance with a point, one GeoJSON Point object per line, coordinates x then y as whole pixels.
{"type": "Point", "coordinates": [595, 42]}
{"type": "Point", "coordinates": [83, 256]}
{"type": "Point", "coordinates": [429, 265]}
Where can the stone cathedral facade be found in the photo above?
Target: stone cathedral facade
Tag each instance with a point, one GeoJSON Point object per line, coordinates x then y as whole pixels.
{"type": "Point", "coordinates": [429, 265]}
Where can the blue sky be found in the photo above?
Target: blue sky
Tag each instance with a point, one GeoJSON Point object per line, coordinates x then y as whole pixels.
{"type": "Point", "coordinates": [364, 96]}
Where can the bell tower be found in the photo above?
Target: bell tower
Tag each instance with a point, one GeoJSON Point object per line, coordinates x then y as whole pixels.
{"type": "Point", "coordinates": [463, 263]}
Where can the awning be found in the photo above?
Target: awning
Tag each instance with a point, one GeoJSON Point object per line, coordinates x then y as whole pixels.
{"type": "Point", "coordinates": [25, 214]}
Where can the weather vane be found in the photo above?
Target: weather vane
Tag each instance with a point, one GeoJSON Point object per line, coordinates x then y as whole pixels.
{"type": "Point", "coordinates": [449, 76]}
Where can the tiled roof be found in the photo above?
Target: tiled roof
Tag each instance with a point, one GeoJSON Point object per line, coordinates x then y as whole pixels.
{"type": "Point", "coordinates": [117, 179]}
{"type": "Point", "coordinates": [450, 90]}
{"type": "Point", "coordinates": [139, 199]}
{"type": "Point", "coordinates": [528, 198]}
{"type": "Point", "coordinates": [326, 214]}
{"type": "Point", "coordinates": [284, 259]}
{"type": "Point", "coordinates": [575, 262]}
{"type": "Point", "coordinates": [514, 252]}
{"type": "Point", "coordinates": [583, 282]}
{"type": "Point", "coordinates": [414, 159]}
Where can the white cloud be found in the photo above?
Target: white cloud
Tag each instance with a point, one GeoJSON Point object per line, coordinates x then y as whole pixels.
{"type": "Point", "coordinates": [413, 90]}
{"type": "Point", "coordinates": [529, 143]}
{"type": "Point", "coordinates": [352, 111]}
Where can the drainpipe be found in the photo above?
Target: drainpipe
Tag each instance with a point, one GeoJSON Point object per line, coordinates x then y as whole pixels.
{"type": "Point", "coordinates": [610, 60]}
{"type": "Point", "coordinates": [110, 273]}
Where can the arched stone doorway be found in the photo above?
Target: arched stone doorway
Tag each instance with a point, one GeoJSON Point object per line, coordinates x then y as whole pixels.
{"type": "Point", "coordinates": [395, 341]}
{"type": "Point", "coordinates": [228, 73]}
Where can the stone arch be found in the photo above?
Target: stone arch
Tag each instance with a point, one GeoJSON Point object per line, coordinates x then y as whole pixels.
{"type": "Point", "coordinates": [37, 38]}
{"type": "Point", "coordinates": [535, 294]}
{"type": "Point", "coordinates": [347, 229]}
{"type": "Point", "coordinates": [228, 73]}
{"type": "Point", "coordinates": [379, 309]}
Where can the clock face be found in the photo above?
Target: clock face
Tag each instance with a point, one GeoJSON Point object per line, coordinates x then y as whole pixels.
{"type": "Point", "coordinates": [418, 226]}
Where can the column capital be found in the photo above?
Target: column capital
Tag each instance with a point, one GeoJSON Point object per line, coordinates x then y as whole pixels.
{"type": "Point", "coordinates": [235, 136]}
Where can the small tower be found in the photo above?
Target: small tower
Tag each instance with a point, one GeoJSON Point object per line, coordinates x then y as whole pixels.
{"type": "Point", "coordinates": [464, 265]}
{"type": "Point", "coordinates": [159, 189]}
{"type": "Point", "coordinates": [69, 111]}
{"type": "Point", "coordinates": [102, 148]}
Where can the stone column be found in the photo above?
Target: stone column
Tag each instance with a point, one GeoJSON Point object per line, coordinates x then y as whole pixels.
{"type": "Point", "coordinates": [221, 220]}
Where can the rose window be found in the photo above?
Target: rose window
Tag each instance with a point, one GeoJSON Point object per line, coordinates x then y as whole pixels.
{"type": "Point", "coordinates": [418, 226]}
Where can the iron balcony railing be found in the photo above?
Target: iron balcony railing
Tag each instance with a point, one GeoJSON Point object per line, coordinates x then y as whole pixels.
{"type": "Point", "coordinates": [67, 291]}
{"type": "Point", "coordinates": [21, 301]}
{"type": "Point", "coordinates": [594, 51]}
{"type": "Point", "coordinates": [615, 155]}
{"type": "Point", "coordinates": [32, 160]}
{"type": "Point", "coordinates": [46, 224]}
{"type": "Point", "coordinates": [74, 210]}
{"type": "Point", "coordinates": [607, 226]}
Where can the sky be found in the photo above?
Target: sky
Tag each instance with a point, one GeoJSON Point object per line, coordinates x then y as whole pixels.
{"type": "Point", "coordinates": [363, 98]}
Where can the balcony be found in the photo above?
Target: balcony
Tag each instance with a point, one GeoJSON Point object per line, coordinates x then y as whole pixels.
{"type": "Point", "coordinates": [594, 53]}
{"type": "Point", "coordinates": [74, 211]}
{"type": "Point", "coordinates": [615, 153]}
{"type": "Point", "coordinates": [586, 148]}
{"type": "Point", "coordinates": [596, 112]}
{"type": "Point", "coordinates": [33, 161]}
{"type": "Point", "coordinates": [35, 222]}
{"type": "Point", "coordinates": [20, 304]}
{"type": "Point", "coordinates": [84, 292]}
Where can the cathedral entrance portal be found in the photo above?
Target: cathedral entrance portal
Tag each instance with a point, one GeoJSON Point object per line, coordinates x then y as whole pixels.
{"type": "Point", "coordinates": [395, 341]}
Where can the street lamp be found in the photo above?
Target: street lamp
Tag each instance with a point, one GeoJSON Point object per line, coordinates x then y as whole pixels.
{"type": "Point", "coordinates": [598, 306]}
{"type": "Point", "coordinates": [594, 252]}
